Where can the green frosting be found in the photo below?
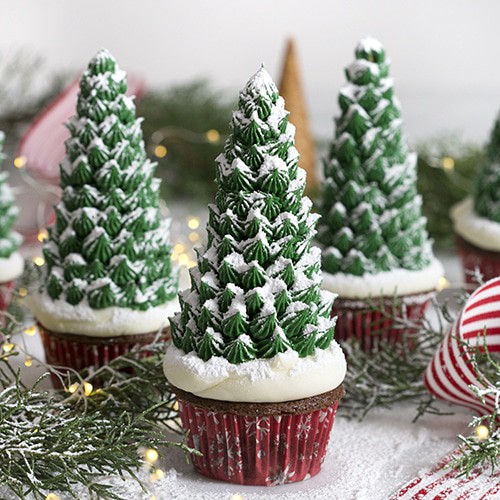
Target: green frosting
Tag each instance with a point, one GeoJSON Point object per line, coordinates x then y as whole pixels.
{"type": "Point", "coordinates": [487, 193]}
{"type": "Point", "coordinates": [108, 246]}
{"type": "Point", "coordinates": [10, 240]}
{"type": "Point", "coordinates": [256, 290]}
{"type": "Point", "coordinates": [371, 212]}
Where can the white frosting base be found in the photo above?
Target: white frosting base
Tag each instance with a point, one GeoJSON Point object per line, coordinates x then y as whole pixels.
{"type": "Point", "coordinates": [285, 377]}
{"type": "Point", "coordinates": [483, 233]}
{"type": "Point", "coordinates": [59, 316]}
{"type": "Point", "coordinates": [393, 283]}
{"type": "Point", "coordinates": [11, 268]}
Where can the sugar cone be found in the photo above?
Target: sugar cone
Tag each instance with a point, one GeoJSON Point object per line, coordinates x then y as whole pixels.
{"type": "Point", "coordinates": [291, 90]}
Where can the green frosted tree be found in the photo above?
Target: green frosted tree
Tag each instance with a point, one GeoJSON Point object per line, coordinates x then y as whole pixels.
{"type": "Point", "coordinates": [487, 194]}
{"type": "Point", "coordinates": [371, 212]}
{"type": "Point", "coordinates": [109, 246]}
{"type": "Point", "coordinates": [10, 240]}
{"type": "Point", "coordinates": [256, 290]}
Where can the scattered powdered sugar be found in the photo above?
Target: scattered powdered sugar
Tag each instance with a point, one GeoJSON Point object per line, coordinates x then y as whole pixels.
{"type": "Point", "coordinates": [480, 231]}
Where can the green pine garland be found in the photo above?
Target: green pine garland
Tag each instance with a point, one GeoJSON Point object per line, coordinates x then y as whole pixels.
{"type": "Point", "coordinates": [54, 441]}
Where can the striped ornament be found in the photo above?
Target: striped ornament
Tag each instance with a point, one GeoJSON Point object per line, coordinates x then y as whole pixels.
{"type": "Point", "coordinates": [443, 483]}
{"type": "Point", "coordinates": [450, 372]}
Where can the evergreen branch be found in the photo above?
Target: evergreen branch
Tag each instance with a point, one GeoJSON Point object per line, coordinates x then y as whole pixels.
{"type": "Point", "coordinates": [394, 373]}
{"type": "Point", "coordinates": [61, 441]}
{"type": "Point", "coordinates": [481, 451]}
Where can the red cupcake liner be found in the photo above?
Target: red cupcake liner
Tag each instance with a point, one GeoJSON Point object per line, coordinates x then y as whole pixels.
{"type": "Point", "coordinates": [79, 352]}
{"type": "Point", "coordinates": [473, 258]}
{"type": "Point", "coordinates": [6, 290]}
{"type": "Point", "coordinates": [257, 450]}
{"type": "Point", "coordinates": [376, 323]}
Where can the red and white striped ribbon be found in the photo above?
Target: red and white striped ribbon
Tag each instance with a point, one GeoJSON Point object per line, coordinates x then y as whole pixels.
{"type": "Point", "coordinates": [443, 483]}
{"type": "Point", "coordinates": [450, 372]}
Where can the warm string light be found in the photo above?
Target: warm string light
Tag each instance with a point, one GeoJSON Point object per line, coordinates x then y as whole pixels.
{"type": "Point", "coordinates": [157, 474]}
{"type": "Point", "coordinates": [28, 361]}
{"type": "Point", "coordinates": [30, 331]}
{"type": "Point", "coordinates": [447, 163]}
{"type": "Point", "coordinates": [237, 496]}
{"type": "Point", "coordinates": [482, 432]}
{"type": "Point", "coordinates": [52, 496]}
{"type": "Point", "coordinates": [43, 234]}
{"type": "Point", "coordinates": [193, 222]}
{"type": "Point", "coordinates": [442, 284]}
{"type": "Point", "coordinates": [151, 456]}
{"type": "Point", "coordinates": [87, 388]}
{"type": "Point", "coordinates": [160, 151]}
{"type": "Point", "coordinates": [8, 346]}
{"type": "Point", "coordinates": [23, 292]}
{"type": "Point", "coordinates": [39, 261]}
{"type": "Point", "coordinates": [20, 161]}
{"type": "Point", "coordinates": [213, 135]}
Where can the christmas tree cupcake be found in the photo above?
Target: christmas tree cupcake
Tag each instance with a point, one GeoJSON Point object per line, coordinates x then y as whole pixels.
{"type": "Point", "coordinates": [253, 362]}
{"type": "Point", "coordinates": [376, 251]}
{"type": "Point", "coordinates": [11, 261]}
{"type": "Point", "coordinates": [476, 220]}
{"type": "Point", "coordinates": [109, 283]}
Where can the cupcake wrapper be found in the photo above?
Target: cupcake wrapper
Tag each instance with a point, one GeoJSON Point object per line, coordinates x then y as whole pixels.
{"type": "Point", "coordinates": [257, 450]}
{"type": "Point", "coordinates": [6, 290]}
{"type": "Point", "coordinates": [473, 258]}
{"type": "Point", "coordinates": [79, 352]}
{"type": "Point", "coordinates": [372, 327]}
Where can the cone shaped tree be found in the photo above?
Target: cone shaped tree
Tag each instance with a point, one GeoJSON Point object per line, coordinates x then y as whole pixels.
{"type": "Point", "coordinates": [109, 246]}
{"type": "Point", "coordinates": [291, 90]}
{"type": "Point", "coordinates": [10, 240]}
{"type": "Point", "coordinates": [371, 212]}
{"type": "Point", "coordinates": [487, 194]}
{"type": "Point", "coordinates": [256, 290]}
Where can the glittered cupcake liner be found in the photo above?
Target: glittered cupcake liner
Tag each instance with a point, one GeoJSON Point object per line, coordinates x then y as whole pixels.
{"type": "Point", "coordinates": [264, 450]}
{"type": "Point", "coordinates": [375, 323]}
{"type": "Point", "coordinates": [474, 258]}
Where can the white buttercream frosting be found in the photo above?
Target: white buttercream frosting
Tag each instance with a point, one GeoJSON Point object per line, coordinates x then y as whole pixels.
{"type": "Point", "coordinates": [285, 377]}
{"type": "Point", "coordinates": [59, 316]}
{"type": "Point", "coordinates": [11, 267]}
{"type": "Point", "coordinates": [393, 283]}
{"type": "Point", "coordinates": [478, 230]}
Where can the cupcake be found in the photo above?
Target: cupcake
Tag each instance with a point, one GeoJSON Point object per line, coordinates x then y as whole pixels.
{"type": "Point", "coordinates": [476, 219]}
{"type": "Point", "coordinates": [11, 261]}
{"type": "Point", "coordinates": [253, 361]}
{"type": "Point", "coordinates": [108, 280]}
{"type": "Point", "coordinates": [376, 254]}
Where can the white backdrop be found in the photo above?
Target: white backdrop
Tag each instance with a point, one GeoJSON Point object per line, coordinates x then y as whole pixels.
{"type": "Point", "coordinates": [445, 53]}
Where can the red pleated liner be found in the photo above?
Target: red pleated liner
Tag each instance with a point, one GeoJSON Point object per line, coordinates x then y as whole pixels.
{"type": "Point", "coordinates": [257, 450]}
{"type": "Point", "coordinates": [473, 258]}
{"type": "Point", "coordinates": [79, 352]}
{"type": "Point", "coordinates": [373, 324]}
{"type": "Point", "coordinates": [6, 290]}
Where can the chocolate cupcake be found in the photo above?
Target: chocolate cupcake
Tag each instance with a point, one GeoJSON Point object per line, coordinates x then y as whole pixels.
{"type": "Point", "coordinates": [377, 255]}
{"type": "Point", "coordinates": [108, 279]}
{"type": "Point", "coordinates": [253, 361]}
